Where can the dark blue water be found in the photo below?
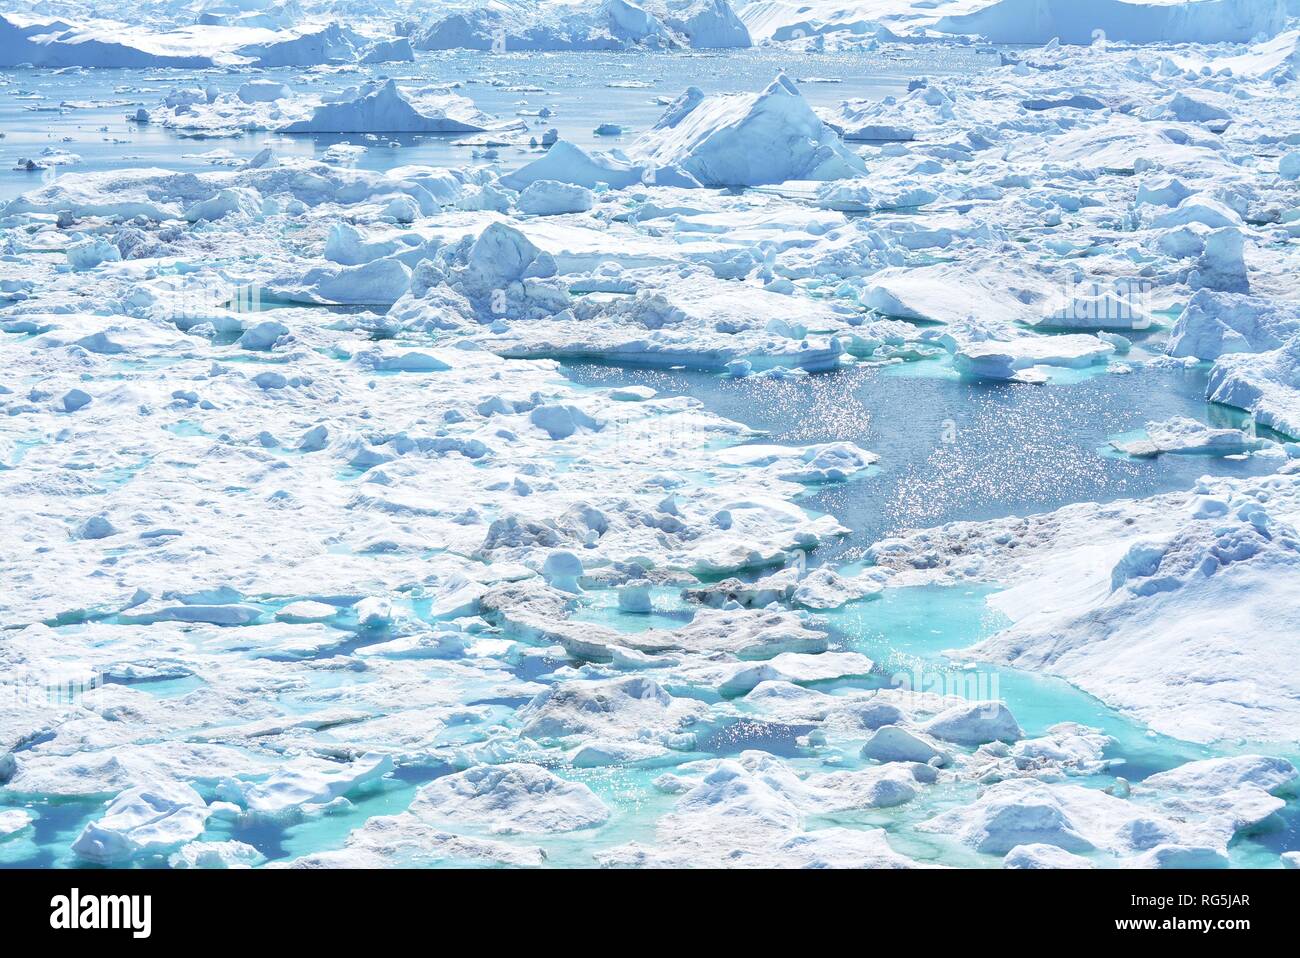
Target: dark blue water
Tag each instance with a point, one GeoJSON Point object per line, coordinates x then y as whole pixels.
{"type": "Point", "coordinates": [951, 449]}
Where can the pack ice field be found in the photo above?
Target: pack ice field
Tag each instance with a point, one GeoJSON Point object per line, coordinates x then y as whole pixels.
{"type": "Point", "coordinates": [684, 433]}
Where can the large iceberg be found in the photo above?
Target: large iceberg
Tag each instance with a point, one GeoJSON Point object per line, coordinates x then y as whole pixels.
{"type": "Point", "coordinates": [1168, 608]}
{"type": "Point", "coordinates": [384, 108]}
{"type": "Point", "coordinates": [747, 139]}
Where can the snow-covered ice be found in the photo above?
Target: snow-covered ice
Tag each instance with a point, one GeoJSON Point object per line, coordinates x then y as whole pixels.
{"type": "Point", "coordinates": [465, 460]}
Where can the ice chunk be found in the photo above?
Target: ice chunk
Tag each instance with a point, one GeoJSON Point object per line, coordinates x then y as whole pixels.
{"type": "Point", "coordinates": [307, 782]}
{"type": "Point", "coordinates": [633, 708]}
{"type": "Point", "coordinates": [89, 252]}
{"type": "Point", "coordinates": [566, 163]}
{"type": "Point", "coordinates": [1216, 775]}
{"type": "Point", "coordinates": [374, 612]}
{"type": "Point", "coordinates": [264, 335]}
{"type": "Point", "coordinates": [1189, 437]}
{"type": "Point", "coordinates": [747, 139]}
{"type": "Point", "coordinates": [561, 421]}
{"type": "Point", "coordinates": [233, 201]}
{"type": "Point", "coordinates": [384, 108]}
{"type": "Point", "coordinates": [975, 724]}
{"type": "Point", "coordinates": [75, 399]}
{"type": "Point", "coordinates": [509, 799]}
{"type": "Point", "coordinates": [1264, 384]}
{"type": "Point", "coordinates": [1007, 359]}
{"type": "Point", "coordinates": [1222, 264]}
{"type": "Point", "coordinates": [1075, 819]}
{"type": "Point", "coordinates": [145, 820]}
{"type": "Point", "coordinates": [892, 743]}
{"type": "Point", "coordinates": [1289, 166]}
{"type": "Point", "coordinates": [1043, 856]}
{"type": "Point", "coordinates": [13, 821]}
{"type": "Point", "coordinates": [1213, 323]}
{"type": "Point", "coordinates": [548, 198]}
{"type": "Point", "coordinates": [749, 812]}
{"type": "Point", "coordinates": [229, 854]}
{"type": "Point", "coordinates": [262, 91]}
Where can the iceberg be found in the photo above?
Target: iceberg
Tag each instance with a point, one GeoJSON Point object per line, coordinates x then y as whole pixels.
{"type": "Point", "coordinates": [113, 45]}
{"type": "Point", "coordinates": [1212, 324]}
{"type": "Point", "coordinates": [612, 25]}
{"type": "Point", "coordinates": [101, 44]}
{"type": "Point", "coordinates": [142, 821]}
{"type": "Point", "coordinates": [1182, 436]}
{"type": "Point", "coordinates": [511, 799]}
{"type": "Point", "coordinates": [747, 139]}
{"type": "Point", "coordinates": [1111, 589]}
{"type": "Point", "coordinates": [384, 108]}
{"type": "Point", "coordinates": [566, 163]}
{"type": "Point", "coordinates": [1266, 385]}
{"type": "Point", "coordinates": [1123, 21]}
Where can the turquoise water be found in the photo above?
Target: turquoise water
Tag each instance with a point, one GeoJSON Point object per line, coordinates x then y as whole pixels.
{"type": "Point", "coordinates": [906, 632]}
{"type": "Point", "coordinates": [1018, 449]}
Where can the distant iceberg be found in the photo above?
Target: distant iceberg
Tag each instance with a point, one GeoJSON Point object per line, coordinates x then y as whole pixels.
{"type": "Point", "coordinates": [104, 43]}
{"type": "Point", "coordinates": [1204, 21]}
{"type": "Point", "coordinates": [613, 25]}
{"type": "Point", "coordinates": [383, 108]}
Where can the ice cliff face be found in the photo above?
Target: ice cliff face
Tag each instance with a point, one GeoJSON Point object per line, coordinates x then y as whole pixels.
{"type": "Point", "coordinates": [1019, 21]}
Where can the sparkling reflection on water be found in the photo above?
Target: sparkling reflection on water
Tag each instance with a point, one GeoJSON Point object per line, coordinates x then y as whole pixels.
{"type": "Point", "coordinates": [952, 449]}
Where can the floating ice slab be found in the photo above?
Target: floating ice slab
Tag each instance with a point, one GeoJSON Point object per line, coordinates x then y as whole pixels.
{"type": "Point", "coordinates": [143, 821]}
{"type": "Point", "coordinates": [1189, 437]}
